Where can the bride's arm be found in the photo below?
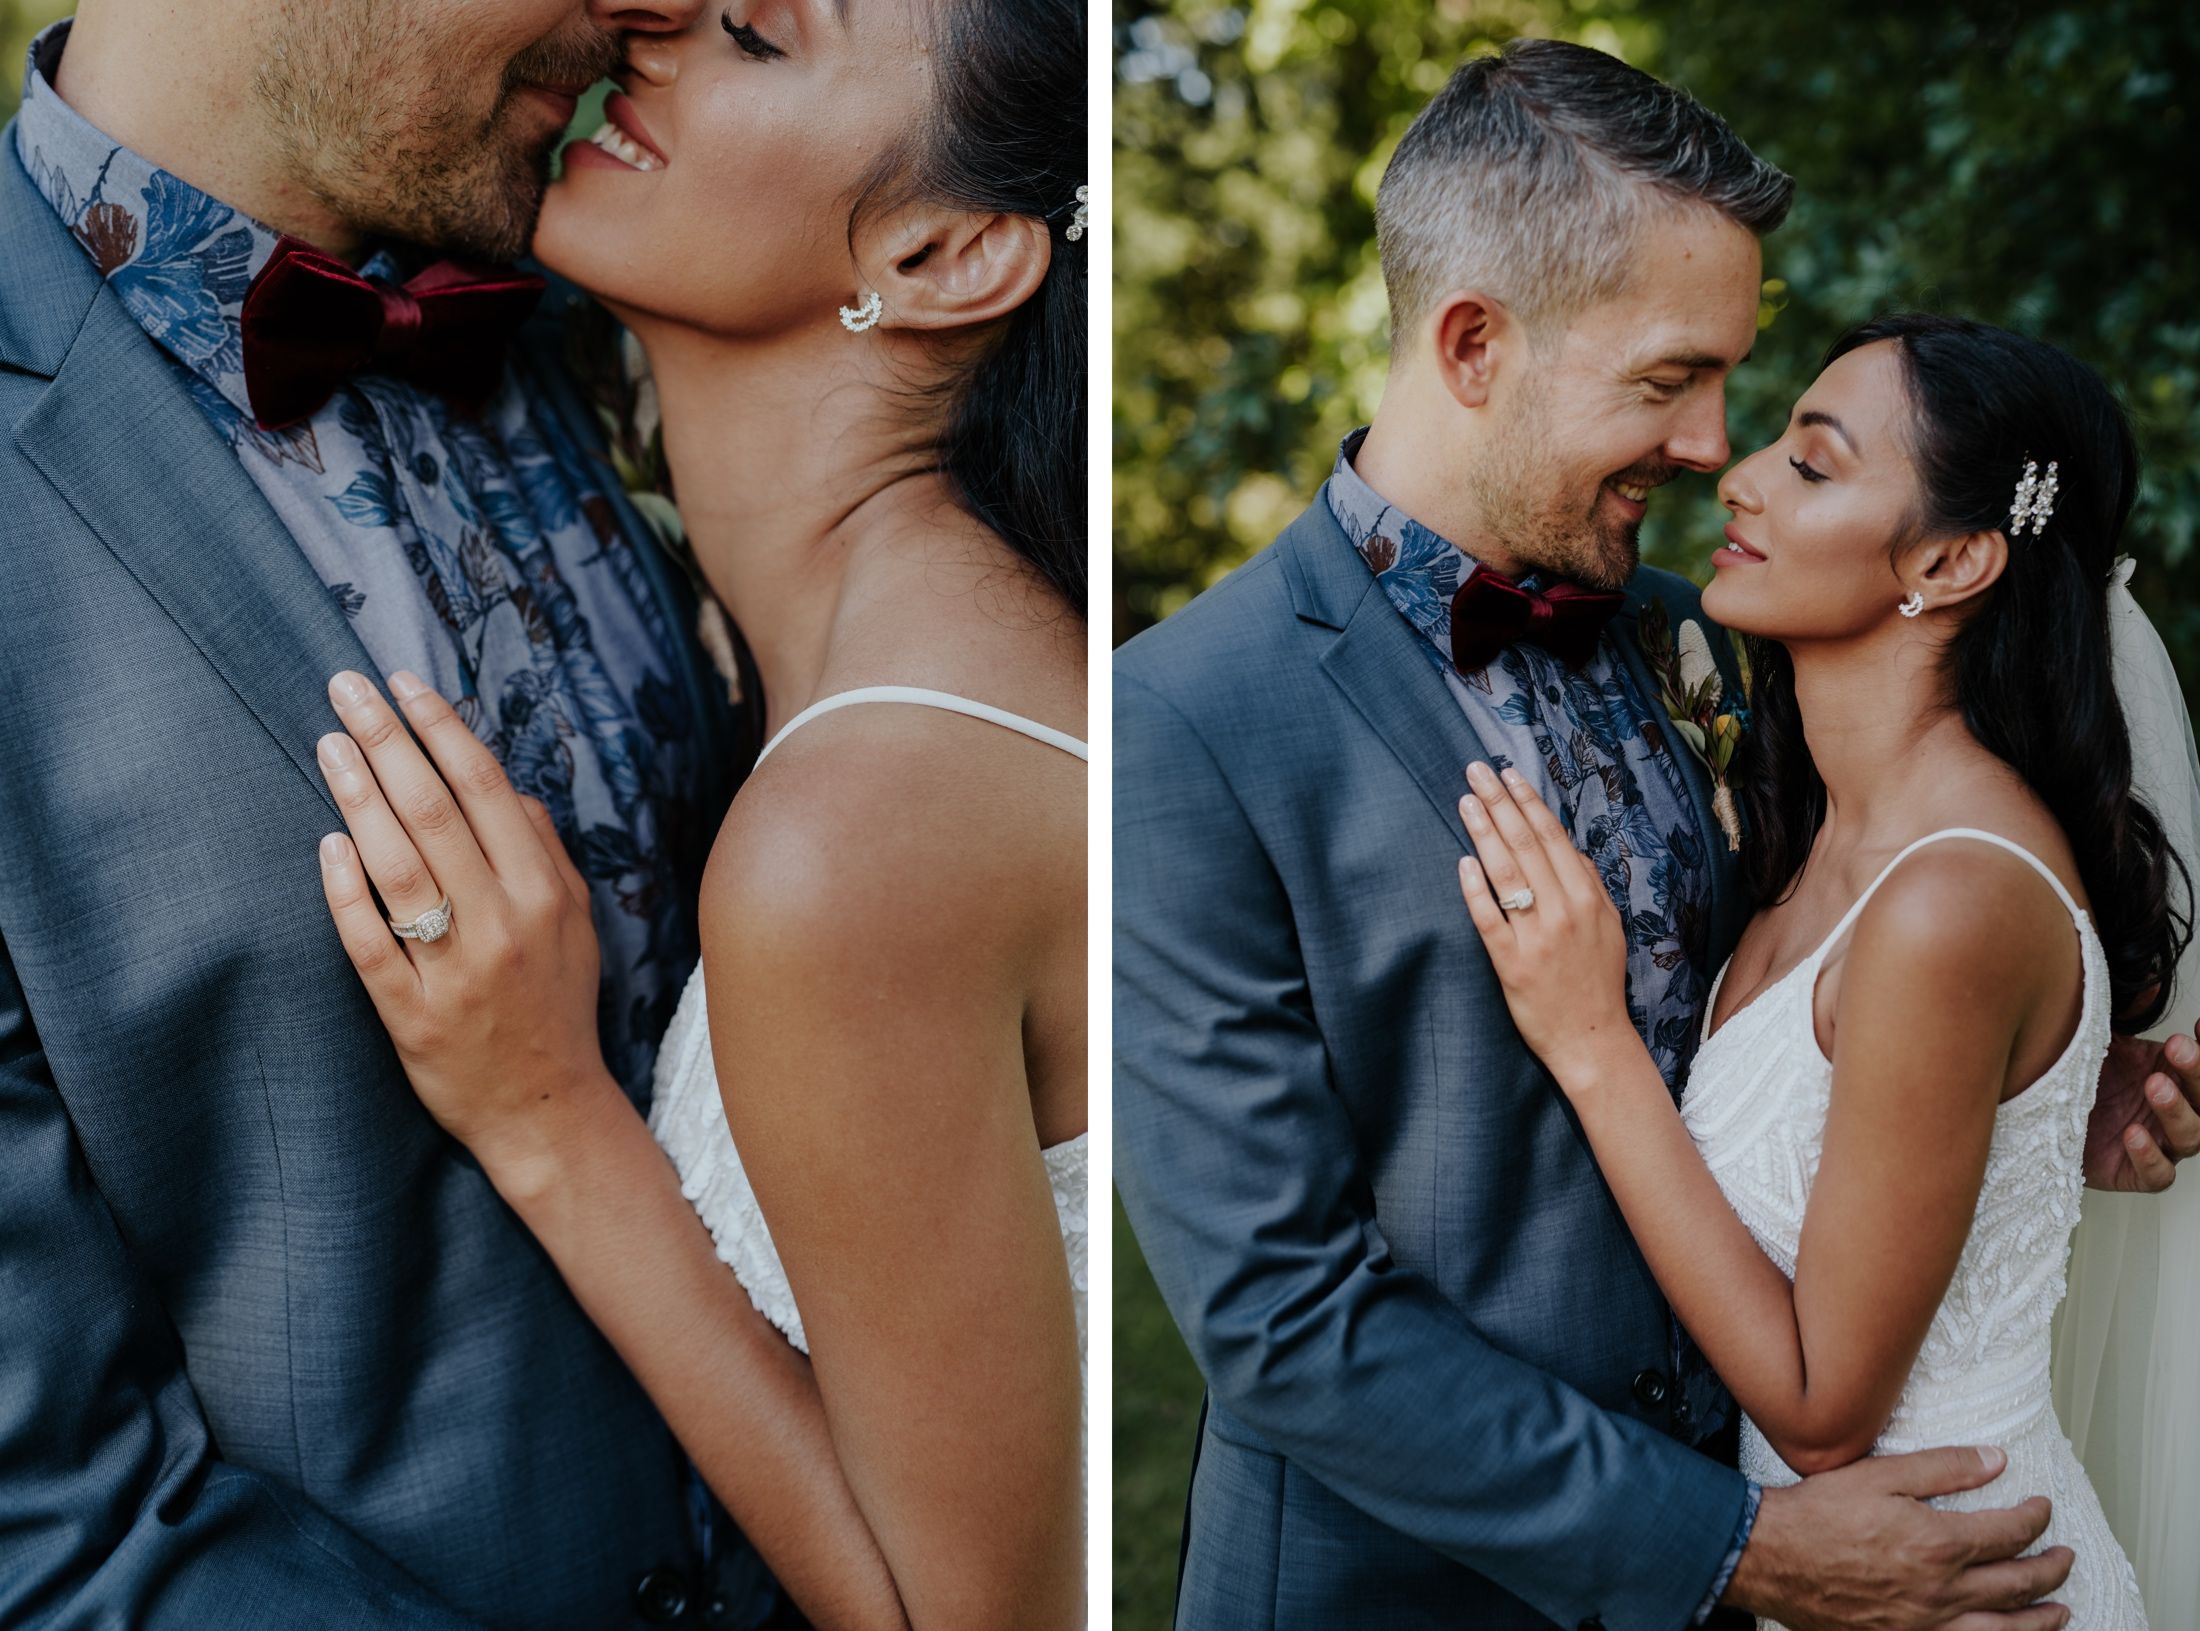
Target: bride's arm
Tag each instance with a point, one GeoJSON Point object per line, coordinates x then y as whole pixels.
{"type": "Point", "coordinates": [495, 1025]}
{"type": "Point", "coordinates": [1939, 979]}
{"type": "Point", "coordinates": [592, 1186]}
{"type": "Point", "coordinates": [874, 920]}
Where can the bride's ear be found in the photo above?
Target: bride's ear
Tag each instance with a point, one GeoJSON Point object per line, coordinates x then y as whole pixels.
{"type": "Point", "coordinates": [946, 270]}
{"type": "Point", "coordinates": [1951, 571]}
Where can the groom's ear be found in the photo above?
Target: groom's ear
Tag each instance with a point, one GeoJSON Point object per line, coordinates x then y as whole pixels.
{"type": "Point", "coordinates": [945, 270]}
{"type": "Point", "coordinates": [1473, 335]}
{"type": "Point", "coordinates": [1954, 570]}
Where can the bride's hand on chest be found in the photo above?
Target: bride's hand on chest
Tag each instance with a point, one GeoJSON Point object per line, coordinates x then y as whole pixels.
{"type": "Point", "coordinates": [485, 969]}
{"type": "Point", "coordinates": [1550, 928]}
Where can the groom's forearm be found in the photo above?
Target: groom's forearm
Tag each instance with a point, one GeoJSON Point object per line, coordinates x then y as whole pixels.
{"type": "Point", "coordinates": [593, 1187]}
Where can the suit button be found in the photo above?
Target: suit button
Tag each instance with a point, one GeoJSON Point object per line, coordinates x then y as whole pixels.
{"type": "Point", "coordinates": [661, 1597]}
{"type": "Point", "coordinates": [1650, 1388]}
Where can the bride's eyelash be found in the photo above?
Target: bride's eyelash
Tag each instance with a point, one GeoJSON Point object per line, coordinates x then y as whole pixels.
{"type": "Point", "coordinates": [748, 39]}
{"type": "Point", "coordinates": [1805, 471]}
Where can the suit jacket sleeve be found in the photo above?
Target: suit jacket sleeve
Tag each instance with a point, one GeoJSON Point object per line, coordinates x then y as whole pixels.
{"type": "Point", "coordinates": [1240, 1174]}
{"type": "Point", "coordinates": [115, 1505]}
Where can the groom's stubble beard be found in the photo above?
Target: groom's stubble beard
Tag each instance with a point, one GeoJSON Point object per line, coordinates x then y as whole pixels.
{"type": "Point", "coordinates": [383, 131]}
{"type": "Point", "coordinates": [1542, 528]}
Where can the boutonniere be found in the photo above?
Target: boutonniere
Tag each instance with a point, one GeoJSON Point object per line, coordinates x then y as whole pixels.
{"type": "Point", "coordinates": [1691, 691]}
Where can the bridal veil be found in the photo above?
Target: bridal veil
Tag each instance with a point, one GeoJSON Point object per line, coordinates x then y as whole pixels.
{"type": "Point", "coordinates": [2127, 1345]}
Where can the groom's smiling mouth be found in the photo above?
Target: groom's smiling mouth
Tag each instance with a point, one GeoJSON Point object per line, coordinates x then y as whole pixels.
{"type": "Point", "coordinates": [1634, 496]}
{"type": "Point", "coordinates": [625, 138]}
{"type": "Point", "coordinates": [561, 99]}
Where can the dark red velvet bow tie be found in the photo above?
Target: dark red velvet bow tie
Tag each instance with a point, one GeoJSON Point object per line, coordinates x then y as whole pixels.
{"type": "Point", "coordinates": [1491, 612]}
{"type": "Point", "coordinates": [311, 323]}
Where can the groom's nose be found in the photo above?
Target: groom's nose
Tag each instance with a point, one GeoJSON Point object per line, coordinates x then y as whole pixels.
{"type": "Point", "coordinates": [646, 16]}
{"type": "Point", "coordinates": [1698, 438]}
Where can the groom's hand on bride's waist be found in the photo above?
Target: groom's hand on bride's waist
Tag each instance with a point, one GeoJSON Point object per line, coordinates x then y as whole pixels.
{"type": "Point", "coordinates": [2146, 1117]}
{"type": "Point", "coordinates": [1859, 1550]}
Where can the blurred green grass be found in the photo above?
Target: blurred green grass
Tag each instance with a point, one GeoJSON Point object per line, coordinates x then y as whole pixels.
{"type": "Point", "coordinates": [1157, 1394]}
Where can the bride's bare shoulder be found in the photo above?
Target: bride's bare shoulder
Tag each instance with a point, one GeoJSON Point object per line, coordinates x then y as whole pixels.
{"type": "Point", "coordinates": [889, 831]}
{"type": "Point", "coordinates": [1960, 915]}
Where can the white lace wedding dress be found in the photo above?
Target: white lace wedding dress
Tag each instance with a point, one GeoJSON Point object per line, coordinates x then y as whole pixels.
{"type": "Point", "coordinates": [1756, 1105]}
{"type": "Point", "coordinates": [689, 1118]}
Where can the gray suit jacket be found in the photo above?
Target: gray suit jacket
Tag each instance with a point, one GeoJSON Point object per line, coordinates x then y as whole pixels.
{"type": "Point", "coordinates": [1419, 1314]}
{"type": "Point", "coordinates": [272, 1351]}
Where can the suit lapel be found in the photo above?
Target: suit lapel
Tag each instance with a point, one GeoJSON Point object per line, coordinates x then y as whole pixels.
{"type": "Point", "coordinates": [1377, 661]}
{"type": "Point", "coordinates": [120, 438]}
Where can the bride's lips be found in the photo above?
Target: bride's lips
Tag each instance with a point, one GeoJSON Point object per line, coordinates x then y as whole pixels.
{"type": "Point", "coordinates": [620, 110]}
{"type": "Point", "coordinates": [1742, 551]}
{"type": "Point", "coordinates": [621, 142]}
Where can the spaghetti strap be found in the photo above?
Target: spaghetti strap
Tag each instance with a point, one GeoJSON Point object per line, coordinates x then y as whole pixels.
{"type": "Point", "coordinates": [944, 700]}
{"type": "Point", "coordinates": [1849, 918]}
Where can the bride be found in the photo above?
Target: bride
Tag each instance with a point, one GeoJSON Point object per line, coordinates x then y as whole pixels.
{"type": "Point", "coordinates": [1862, 1207]}
{"type": "Point", "coordinates": [848, 238]}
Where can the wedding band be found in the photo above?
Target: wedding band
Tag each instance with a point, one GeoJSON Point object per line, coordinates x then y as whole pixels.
{"type": "Point", "coordinates": [433, 924]}
{"type": "Point", "coordinates": [1518, 901]}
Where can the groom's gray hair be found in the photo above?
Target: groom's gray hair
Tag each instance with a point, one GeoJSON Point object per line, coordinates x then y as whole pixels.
{"type": "Point", "coordinates": [1532, 172]}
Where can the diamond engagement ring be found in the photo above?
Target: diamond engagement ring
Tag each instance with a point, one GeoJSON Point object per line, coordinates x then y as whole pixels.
{"type": "Point", "coordinates": [1518, 901]}
{"type": "Point", "coordinates": [433, 924]}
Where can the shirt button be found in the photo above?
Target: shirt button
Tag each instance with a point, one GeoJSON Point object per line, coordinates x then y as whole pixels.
{"type": "Point", "coordinates": [718, 1611]}
{"type": "Point", "coordinates": [424, 466]}
{"type": "Point", "coordinates": [1683, 1412]}
{"type": "Point", "coordinates": [661, 1596]}
{"type": "Point", "coordinates": [1650, 1388]}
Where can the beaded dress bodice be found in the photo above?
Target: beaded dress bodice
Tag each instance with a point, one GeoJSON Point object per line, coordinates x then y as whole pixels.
{"type": "Point", "coordinates": [1756, 1105]}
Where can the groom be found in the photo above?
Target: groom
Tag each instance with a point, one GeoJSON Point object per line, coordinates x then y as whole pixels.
{"type": "Point", "coordinates": [272, 1352]}
{"type": "Point", "coordinates": [1443, 1389]}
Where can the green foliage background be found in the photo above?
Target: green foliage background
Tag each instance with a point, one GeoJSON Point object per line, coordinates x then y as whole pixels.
{"type": "Point", "coordinates": [19, 21]}
{"type": "Point", "coordinates": [2031, 165]}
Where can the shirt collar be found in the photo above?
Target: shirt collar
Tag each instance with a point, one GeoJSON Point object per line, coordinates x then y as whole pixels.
{"type": "Point", "coordinates": [1418, 569]}
{"type": "Point", "coordinates": [179, 260]}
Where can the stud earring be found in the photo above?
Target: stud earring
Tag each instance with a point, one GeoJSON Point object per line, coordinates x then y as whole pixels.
{"type": "Point", "coordinates": [855, 319]}
{"type": "Point", "coordinates": [1914, 605]}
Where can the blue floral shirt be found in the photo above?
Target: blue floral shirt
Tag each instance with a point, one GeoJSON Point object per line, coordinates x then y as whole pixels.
{"type": "Point", "coordinates": [479, 553]}
{"type": "Point", "coordinates": [1592, 746]}
{"type": "Point", "coordinates": [1581, 739]}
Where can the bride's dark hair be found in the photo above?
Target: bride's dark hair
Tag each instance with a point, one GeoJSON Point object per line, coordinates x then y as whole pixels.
{"type": "Point", "coordinates": [1006, 132]}
{"type": "Point", "coordinates": [2030, 667]}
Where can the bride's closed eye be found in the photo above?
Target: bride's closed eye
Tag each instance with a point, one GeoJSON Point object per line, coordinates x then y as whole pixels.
{"type": "Point", "coordinates": [747, 38]}
{"type": "Point", "coordinates": [1805, 471]}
